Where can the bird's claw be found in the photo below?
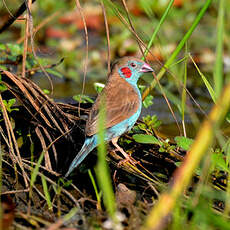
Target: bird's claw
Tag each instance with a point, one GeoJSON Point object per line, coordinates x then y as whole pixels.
{"type": "Point", "coordinates": [128, 159]}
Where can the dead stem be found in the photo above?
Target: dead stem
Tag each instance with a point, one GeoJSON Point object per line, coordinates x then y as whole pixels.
{"type": "Point", "coordinates": [107, 35]}
{"type": "Point", "coordinates": [12, 141]}
{"type": "Point", "coordinates": [38, 27]}
{"type": "Point", "coordinates": [86, 50]}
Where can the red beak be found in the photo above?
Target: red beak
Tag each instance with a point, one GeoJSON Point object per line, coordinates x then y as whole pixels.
{"type": "Point", "coordinates": [146, 68]}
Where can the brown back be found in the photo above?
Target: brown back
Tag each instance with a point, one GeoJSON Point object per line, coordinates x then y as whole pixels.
{"type": "Point", "coordinates": [122, 101]}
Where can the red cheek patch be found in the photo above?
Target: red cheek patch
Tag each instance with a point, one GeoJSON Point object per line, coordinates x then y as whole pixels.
{"type": "Point", "coordinates": [126, 72]}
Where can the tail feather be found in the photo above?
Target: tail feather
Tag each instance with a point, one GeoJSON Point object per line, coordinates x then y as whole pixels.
{"type": "Point", "coordinates": [88, 146]}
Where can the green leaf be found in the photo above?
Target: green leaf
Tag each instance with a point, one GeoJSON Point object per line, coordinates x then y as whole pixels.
{"type": "Point", "coordinates": [15, 49]}
{"type": "Point", "coordinates": [228, 117]}
{"type": "Point", "coordinates": [11, 102]}
{"type": "Point", "coordinates": [98, 86]}
{"type": "Point", "coordinates": [3, 67]}
{"type": "Point", "coordinates": [146, 139]}
{"type": "Point", "coordinates": [41, 61]}
{"type": "Point", "coordinates": [152, 121]}
{"type": "Point", "coordinates": [2, 87]}
{"type": "Point", "coordinates": [206, 82]}
{"type": "Point", "coordinates": [218, 160]}
{"type": "Point", "coordinates": [2, 47]}
{"type": "Point", "coordinates": [46, 91]}
{"type": "Point", "coordinates": [36, 170]}
{"type": "Point", "coordinates": [82, 98]}
{"type": "Point", "coordinates": [184, 142]}
{"type": "Point", "coordinates": [148, 101]}
{"type": "Point", "coordinates": [12, 58]}
{"type": "Point", "coordinates": [55, 73]}
{"type": "Point", "coordinates": [8, 104]}
{"type": "Point", "coordinates": [46, 192]}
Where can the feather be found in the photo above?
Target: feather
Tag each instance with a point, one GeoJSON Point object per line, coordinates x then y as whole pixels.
{"type": "Point", "coordinates": [122, 104]}
{"type": "Point", "coordinates": [89, 145]}
{"type": "Point", "coordinates": [122, 101]}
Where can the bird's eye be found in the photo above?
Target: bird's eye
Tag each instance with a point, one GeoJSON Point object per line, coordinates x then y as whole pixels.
{"type": "Point", "coordinates": [132, 64]}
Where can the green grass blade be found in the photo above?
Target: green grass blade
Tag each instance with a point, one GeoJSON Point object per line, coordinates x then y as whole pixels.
{"type": "Point", "coordinates": [35, 173]}
{"type": "Point", "coordinates": [227, 200]}
{"type": "Point", "coordinates": [102, 168]}
{"type": "Point", "coordinates": [179, 47]}
{"type": "Point", "coordinates": [46, 192]}
{"type": "Point", "coordinates": [36, 169]}
{"type": "Point", "coordinates": [206, 82]}
{"type": "Point", "coordinates": [218, 70]}
{"type": "Point", "coordinates": [70, 214]}
{"type": "Point", "coordinates": [158, 28]}
{"type": "Point", "coordinates": [1, 211]}
{"type": "Point", "coordinates": [183, 175]}
{"type": "Point", "coordinates": [98, 196]}
{"type": "Point", "coordinates": [183, 99]}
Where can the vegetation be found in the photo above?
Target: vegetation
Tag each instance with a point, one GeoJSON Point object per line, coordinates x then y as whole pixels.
{"type": "Point", "coordinates": [59, 50]}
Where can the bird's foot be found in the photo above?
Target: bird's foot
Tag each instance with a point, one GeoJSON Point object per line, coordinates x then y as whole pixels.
{"type": "Point", "coordinates": [128, 159]}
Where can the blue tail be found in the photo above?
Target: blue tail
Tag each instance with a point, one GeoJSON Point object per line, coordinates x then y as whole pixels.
{"type": "Point", "coordinates": [88, 146]}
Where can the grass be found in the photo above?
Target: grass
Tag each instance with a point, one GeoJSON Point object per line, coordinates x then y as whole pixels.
{"type": "Point", "coordinates": [1, 210]}
{"type": "Point", "coordinates": [98, 194]}
{"type": "Point", "coordinates": [179, 47]}
{"type": "Point", "coordinates": [102, 169]}
{"type": "Point", "coordinates": [210, 89]}
{"type": "Point", "coordinates": [199, 148]}
{"type": "Point", "coordinates": [210, 153]}
{"type": "Point", "coordinates": [218, 69]}
{"type": "Point", "coordinates": [156, 30]}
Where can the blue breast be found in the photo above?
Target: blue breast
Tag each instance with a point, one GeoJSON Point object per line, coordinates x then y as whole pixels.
{"type": "Point", "coordinates": [122, 127]}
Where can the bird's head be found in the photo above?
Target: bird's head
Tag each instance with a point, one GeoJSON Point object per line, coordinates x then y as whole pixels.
{"type": "Point", "coordinates": [131, 68]}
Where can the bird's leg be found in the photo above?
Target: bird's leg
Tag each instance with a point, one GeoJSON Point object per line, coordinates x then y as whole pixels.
{"type": "Point", "coordinates": [127, 156]}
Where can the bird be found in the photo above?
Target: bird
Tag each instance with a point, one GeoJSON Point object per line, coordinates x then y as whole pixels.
{"type": "Point", "coordinates": [123, 104]}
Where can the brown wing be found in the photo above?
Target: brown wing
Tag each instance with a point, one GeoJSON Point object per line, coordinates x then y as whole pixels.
{"type": "Point", "coordinates": [122, 102]}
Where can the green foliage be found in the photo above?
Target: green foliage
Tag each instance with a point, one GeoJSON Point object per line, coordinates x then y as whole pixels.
{"type": "Point", "coordinates": [10, 51]}
{"type": "Point", "coordinates": [146, 139]}
{"type": "Point", "coordinates": [46, 192]}
{"type": "Point", "coordinates": [2, 46]}
{"type": "Point", "coordinates": [64, 183]}
{"type": "Point", "coordinates": [218, 69]}
{"type": "Point", "coordinates": [228, 117]}
{"type": "Point", "coordinates": [219, 161]}
{"type": "Point", "coordinates": [46, 91]}
{"type": "Point", "coordinates": [152, 122]}
{"type": "Point", "coordinates": [54, 72]}
{"type": "Point", "coordinates": [147, 6]}
{"type": "Point", "coordinates": [52, 5]}
{"type": "Point", "coordinates": [184, 142]}
{"type": "Point", "coordinates": [148, 125]}
{"type": "Point", "coordinates": [70, 214]}
{"type": "Point", "coordinates": [8, 104]}
{"type": "Point", "coordinates": [102, 170]}
{"type": "Point", "coordinates": [15, 49]}
{"type": "Point", "coordinates": [206, 82]}
{"type": "Point", "coordinates": [82, 98]}
{"type": "Point", "coordinates": [2, 86]}
{"type": "Point", "coordinates": [98, 194]}
{"type": "Point", "coordinates": [35, 171]}
{"type": "Point", "coordinates": [98, 86]}
{"type": "Point", "coordinates": [195, 211]}
{"type": "Point", "coordinates": [166, 146]}
{"type": "Point", "coordinates": [148, 101]}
